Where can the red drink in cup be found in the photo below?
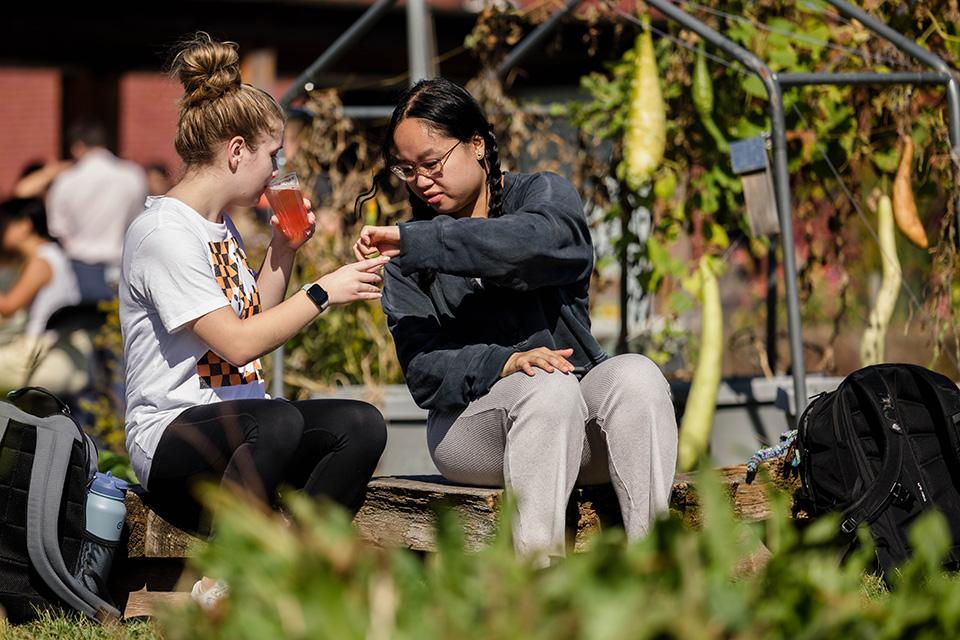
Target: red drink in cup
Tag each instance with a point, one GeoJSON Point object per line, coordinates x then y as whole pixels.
{"type": "Point", "coordinates": [286, 200]}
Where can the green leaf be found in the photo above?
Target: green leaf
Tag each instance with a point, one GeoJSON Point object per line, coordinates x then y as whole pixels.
{"type": "Point", "coordinates": [754, 86]}
{"type": "Point", "coordinates": [680, 302]}
{"type": "Point", "coordinates": [742, 32]}
{"type": "Point", "coordinates": [782, 55]}
{"type": "Point", "coordinates": [887, 160]}
{"type": "Point", "coordinates": [665, 185]}
{"type": "Point", "coordinates": [717, 236]}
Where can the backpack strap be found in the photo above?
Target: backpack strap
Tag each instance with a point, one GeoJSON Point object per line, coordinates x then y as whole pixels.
{"type": "Point", "coordinates": [91, 447]}
{"type": "Point", "coordinates": [50, 465]}
{"type": "Point", "coordinates": [948, 396]}
{"type": "Point", "coordinates": [887, 484]}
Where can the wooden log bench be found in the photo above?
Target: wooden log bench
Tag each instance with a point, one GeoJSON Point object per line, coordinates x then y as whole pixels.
{"type": "Point", "coordinates": [400, 511]}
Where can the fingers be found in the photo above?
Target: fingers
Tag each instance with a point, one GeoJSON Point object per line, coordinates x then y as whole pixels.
{"type": "Point", "coordinates": [548, 360]}
{"type": "Point", "coordinates": [369, 277]}
{"type": "Point", "coordinates": [370, 264]}
{"type": "Point", "coordinates": [362, 249]}
{"type": "Point", "coordinates": [366, 235]}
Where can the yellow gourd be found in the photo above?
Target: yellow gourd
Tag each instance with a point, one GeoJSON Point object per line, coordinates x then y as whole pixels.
{"type": "Point", "coordinates": [646, 130]}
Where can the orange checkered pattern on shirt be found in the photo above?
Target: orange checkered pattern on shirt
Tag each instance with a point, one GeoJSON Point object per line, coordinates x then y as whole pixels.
{"type": "Point", "coordinates": [213, 370]}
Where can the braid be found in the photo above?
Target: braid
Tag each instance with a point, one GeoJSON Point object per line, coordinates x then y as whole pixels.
{"type": "Point", "coordinates": [494, 175]}
{"type": "Point", "coordinates": [369, 194]}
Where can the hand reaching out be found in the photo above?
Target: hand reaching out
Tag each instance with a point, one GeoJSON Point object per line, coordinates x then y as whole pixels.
{"type": "Point", "coordinates": [385, 240]}
{"type": "Point", "coordinates": [354, 281]}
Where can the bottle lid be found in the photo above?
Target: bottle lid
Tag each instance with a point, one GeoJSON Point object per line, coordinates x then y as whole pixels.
{"type": "Point", "coordinates": [106, 485]}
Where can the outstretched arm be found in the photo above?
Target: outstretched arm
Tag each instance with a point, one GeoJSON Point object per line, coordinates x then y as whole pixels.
{"type": "Point", "coordinates": [546, 242]}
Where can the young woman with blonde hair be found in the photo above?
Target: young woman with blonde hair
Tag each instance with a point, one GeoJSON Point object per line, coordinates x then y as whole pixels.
{"type": "Point", "coordinates": [196, 319]}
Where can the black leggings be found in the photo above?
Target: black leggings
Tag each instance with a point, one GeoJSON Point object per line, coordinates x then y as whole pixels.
{"type": "Point", "coordinates": [324, 447]}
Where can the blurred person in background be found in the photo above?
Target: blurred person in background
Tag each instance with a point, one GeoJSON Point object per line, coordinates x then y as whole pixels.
{"type": "Point", "coordinates": [33, 353]}
{"type": "Point", "coordinates": [37, 176]}
{"type": "Point", "coordinates": [158, 179]}
{"type": "Point", "coordinates": [90, 206]}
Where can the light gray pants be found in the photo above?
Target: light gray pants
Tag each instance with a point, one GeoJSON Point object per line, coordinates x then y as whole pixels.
{"type": "Point", "coordinates": [541, 435]}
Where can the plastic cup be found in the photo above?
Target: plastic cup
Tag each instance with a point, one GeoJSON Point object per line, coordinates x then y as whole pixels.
{"type": "Point", "coordinates": [286, 200]}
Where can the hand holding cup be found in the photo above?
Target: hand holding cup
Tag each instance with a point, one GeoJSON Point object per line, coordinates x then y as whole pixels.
{"type": "Point", "coordinates": [292, 214]}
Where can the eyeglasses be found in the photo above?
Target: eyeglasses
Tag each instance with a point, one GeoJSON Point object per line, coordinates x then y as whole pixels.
{"type": "Point", "coordinates": [427, 168]}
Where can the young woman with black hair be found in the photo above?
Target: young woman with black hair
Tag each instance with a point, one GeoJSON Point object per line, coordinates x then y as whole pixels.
{"type": "Point", "coordinates": [487, 299]}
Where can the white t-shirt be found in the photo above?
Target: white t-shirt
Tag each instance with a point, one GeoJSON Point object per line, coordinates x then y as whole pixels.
{"type": "Point", "coordinates": [61, 291]}
{"type": "Point", "coordinates": [177, 267]}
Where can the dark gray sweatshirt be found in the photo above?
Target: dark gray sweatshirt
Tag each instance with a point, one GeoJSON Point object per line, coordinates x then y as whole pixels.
{"type": "Point", "coordinates": [464, 294]}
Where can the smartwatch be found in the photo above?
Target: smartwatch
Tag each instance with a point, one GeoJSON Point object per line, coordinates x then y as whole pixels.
{"type": "Point", "coordinates": [317, 294]}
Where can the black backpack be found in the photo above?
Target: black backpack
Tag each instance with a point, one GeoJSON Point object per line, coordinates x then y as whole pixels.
{"type": "Point", "coordinates": [883, 448]}
{"type": "Point", "coordinates": [46, 467]}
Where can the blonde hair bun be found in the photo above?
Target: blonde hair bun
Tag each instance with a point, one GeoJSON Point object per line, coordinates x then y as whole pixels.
{"type": "Point", "coordinates": [216, 105]}
{"type": "Point", "coordinates": [207, 69]}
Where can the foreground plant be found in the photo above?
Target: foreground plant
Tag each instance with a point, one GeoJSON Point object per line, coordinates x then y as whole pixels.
{"type": "Point", "coordinates": [316, 579]}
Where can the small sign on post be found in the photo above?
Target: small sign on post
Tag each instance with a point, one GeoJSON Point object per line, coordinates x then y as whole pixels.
{"type": "Point", "coordinates": [750, 162]}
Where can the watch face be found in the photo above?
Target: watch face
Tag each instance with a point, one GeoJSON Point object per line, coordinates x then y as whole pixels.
{"type": "Point", "coordinates": [318, 295]}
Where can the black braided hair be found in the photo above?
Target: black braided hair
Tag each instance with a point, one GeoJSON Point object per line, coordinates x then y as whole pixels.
{"type": "Point", "coordinates": [452, 111]}
{"type": "Point", "coordinates": [494, 174]}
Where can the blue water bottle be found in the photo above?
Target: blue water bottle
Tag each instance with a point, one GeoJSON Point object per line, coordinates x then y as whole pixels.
{"type": "Point", "coordinates": [106, 512]}
{"type": "Point", "coordinates": [105, 507]}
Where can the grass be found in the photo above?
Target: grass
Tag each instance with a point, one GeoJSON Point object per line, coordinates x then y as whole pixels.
{"type": "Point", "coordinates": [59, 627]}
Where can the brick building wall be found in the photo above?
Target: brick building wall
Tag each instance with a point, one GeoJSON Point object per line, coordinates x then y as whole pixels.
{"type": "Point", "coordinates": [29, 120]}
{"type": "Point", "coordinates": [148, 119]}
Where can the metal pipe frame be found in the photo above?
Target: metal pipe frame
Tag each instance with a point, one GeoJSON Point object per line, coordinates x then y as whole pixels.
{"type": "Point", "coordinates": [419, 41]}
{"type": "Point", "coordinates": [894, 77]}
{"type": "Point", "coordinates": [333, 53]}
{"type": "Point", "coordinates": [533, 40]}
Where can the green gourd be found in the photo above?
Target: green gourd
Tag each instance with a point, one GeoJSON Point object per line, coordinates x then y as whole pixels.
{"type": "Point", "coordinates": [702, 400]}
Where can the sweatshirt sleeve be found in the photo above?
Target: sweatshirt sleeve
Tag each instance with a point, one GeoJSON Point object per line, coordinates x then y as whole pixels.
{"type": "Point", "coordinates": [544, 242]}
{"type": "Point", "coordinates": [440, 372]}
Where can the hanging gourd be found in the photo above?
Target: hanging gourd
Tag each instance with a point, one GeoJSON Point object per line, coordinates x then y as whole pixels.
{"type": "Point", "coordinates": [703, 100]}
{"type": "Point", "coordinates": [874, 338]}
{"type": "Point", "coordinates": [646, 129]}
{"type": "Point", "coordinates": [702, 400]}
{"type": "Point", "coordinates": [904, 204]}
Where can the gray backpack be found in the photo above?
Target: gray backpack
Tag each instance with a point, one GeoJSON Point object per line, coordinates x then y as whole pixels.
{"type": "Point", "coordinates": [46, 467]}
